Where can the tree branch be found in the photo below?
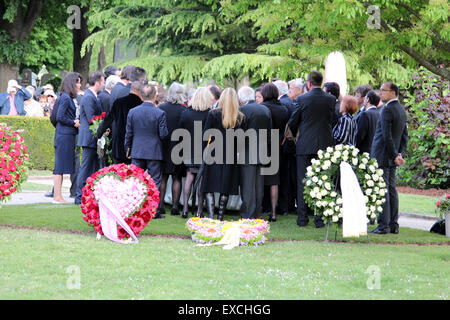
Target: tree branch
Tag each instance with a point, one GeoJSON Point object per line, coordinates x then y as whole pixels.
{"type": "Point", "coordinates": [443, 72]}
{"type": "Point", "coordinates": [33, 12]}
{"type": "Point", "coordinates": [438, 41]}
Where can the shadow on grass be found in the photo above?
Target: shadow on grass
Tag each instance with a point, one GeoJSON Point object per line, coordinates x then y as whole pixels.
{"type": "Point", "coordinates": [69, 218]}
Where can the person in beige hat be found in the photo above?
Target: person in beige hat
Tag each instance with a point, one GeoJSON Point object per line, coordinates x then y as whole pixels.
{"type": "Point", "coordinates": [12, 101]}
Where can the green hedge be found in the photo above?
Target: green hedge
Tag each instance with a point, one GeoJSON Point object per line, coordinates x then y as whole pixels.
{"type": "Point", "coordinates": [38, 136]}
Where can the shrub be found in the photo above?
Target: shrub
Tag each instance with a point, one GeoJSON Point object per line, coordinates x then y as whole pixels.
{"type": "Point", "coordinates": [428, 157]}
{"type": "Point", "coordinates": [38, 136]}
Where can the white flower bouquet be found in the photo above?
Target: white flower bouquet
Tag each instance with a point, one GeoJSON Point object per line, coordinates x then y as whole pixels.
{"type": "Point", "coordinates": [323, 195]}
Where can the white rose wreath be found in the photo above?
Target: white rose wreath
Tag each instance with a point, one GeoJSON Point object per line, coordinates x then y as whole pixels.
{"type": "Point", "coordinates": [321, 192]}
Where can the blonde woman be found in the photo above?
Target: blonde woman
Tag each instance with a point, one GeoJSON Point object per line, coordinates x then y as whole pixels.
{"type": "Point", "coordinates": [201, 103]}
{"type": "Point", "coordinates": [222, 177]}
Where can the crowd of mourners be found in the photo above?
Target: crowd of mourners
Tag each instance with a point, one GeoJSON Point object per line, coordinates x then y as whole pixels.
{"type": "Point", "coordinates": [141, 116]}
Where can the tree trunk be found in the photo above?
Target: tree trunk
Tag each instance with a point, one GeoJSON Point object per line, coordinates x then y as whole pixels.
{"type": "Point", "coordinates": [18, 30]}
{"type": "Point", "coordinates": [7, 72]}
{"type": "Point", "coordinates": [101, 62]}
{"type": "Point", "coordinates": [81, 64]}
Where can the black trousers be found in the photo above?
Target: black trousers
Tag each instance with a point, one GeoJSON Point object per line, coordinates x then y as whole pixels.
{"type": "Point", "coordinates": [89, 165]}
{"type": "Point", "coordinates": [153, 168]}
{"type": "Point", "coordinates": [117, 160]}
{"type": "Point", "coordinates": [252, 191]}
{"type": "Point", "coordinates": [388, 219]}
{"type": "Point", "coordinates": [73, 176]}
{"type": "Point", "coordinates": [288, 183]}
{"type": "Point", "coordinates": [303, 161]}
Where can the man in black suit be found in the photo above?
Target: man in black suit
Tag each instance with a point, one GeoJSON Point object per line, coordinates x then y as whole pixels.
{"type": "Point", "coordinates": [288, 166]}
{"type": "Point", "coordinates": [111, 71]}
{"type": "Point", "coordinates": [388, 146]}
{"type": "Point", "coordinates": [360, 94]}
{"type": "Point", "coordinates": [367, 122]}
{"type": "Point", "coordinates": [90, 107]}
{"type": "Point", "coordinates": [129, 75]}
{"type": "Point", "coordinates": [257, 117]}
{"type": "Point", "coordinates": [145, 131]}
{"type": "Point", "coordinates": [122, 88]}
{"type": "Point", "coordinates": [312, 120]}
{"type": "Point", "coordinates": [116, 119]}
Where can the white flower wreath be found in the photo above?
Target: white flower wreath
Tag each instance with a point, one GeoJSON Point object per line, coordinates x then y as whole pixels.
{"type": "Point", "coordinates": [321, 193]}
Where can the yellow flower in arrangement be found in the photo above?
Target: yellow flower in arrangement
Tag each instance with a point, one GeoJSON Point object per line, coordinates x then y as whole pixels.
{"type": "Point", "coordinates": [226, 226]}
{"type": "Point", "coordinates": [206, 230]}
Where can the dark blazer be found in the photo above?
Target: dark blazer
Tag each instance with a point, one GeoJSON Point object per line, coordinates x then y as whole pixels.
{"type": "Point", "coordinates": [337, 114]}
{"type": "Point", "coordinates": [391, 135]}
{"type": "Point", "coordinates": [65, 115]}
{"type": "Point", "coordinates": [146, 128]}
{"type": "Point", "coordinates": [221, 178]}
{"type": "Point", "coordinates": [120, 90]}
{"type": "Point", "coordinates": [116, 119]}
{"type": "Point", "coordinates": [90, 107]}
{"type": "Point", "coordinates": [289, 145]}
{"type": "Point", "coordinates": [312, 119]}
{"type": "Point", "coordinates": [257, 116]}
{"type": "Point", "coordinates": [173, 114]}
{"type": "Point", "coordinates": [104, 100]}
{"type": "Point", "coordinates": [21, 96]}
{"type": "Point", "coordinates": [367, 124]}
{"type": "Point", "coordinates": [287, 102]}
{"type": "Point", "coordinates": [187, 120]}
{"type": "Point", "coordinates": [279, 114]}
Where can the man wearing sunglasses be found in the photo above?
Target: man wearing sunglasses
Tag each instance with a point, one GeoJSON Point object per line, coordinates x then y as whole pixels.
{"type": "Point", "coordinates": [388, 147]}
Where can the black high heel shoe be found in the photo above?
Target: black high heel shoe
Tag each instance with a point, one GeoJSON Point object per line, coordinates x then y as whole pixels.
{"type": "Point", "coordinates": [184, 215]}
{"type": "Point", "coordinates": [272, 218]}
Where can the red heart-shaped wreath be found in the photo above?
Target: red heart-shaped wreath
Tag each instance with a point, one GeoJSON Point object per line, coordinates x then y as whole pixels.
{"type": "Point", "coordinates": [144, 211]}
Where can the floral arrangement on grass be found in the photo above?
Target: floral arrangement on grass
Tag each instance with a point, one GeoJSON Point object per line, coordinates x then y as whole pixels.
{"type": "Point", "coordinates": [14, 161]}
{"type": "Point", "coordinates": [443, 206]}
{"type": "Point", "coordinates": [206, 230]}
{"type": "Point", "coordinates": [129, 189]}
{"type": "Point", "coordinates": [104, 142]}
{"type": "Point", "coordinates": [321, 192]}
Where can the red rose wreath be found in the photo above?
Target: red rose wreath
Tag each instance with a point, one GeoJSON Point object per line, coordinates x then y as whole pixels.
{"type": "Point", "coordinates": [13, 162]}
{"type": "Point", "coordinates": [136, 212]}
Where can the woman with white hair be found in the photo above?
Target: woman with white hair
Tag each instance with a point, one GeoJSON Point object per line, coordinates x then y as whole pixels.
{"type": "Point", "coordinates": [196, 115]}
{"type": "Point", "coordinates": [105, 95]}
{"type": "Point", "coordinates": [173, 108]}
{"type": "Point", "coordinates": [32, 107]}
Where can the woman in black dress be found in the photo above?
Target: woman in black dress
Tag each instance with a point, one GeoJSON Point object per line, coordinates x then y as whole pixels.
{"type": "Point", "coordinates": [280, 116]}
{"type": "Point", "coordinates": [173, 108]}
{"type": "Point", "coordinates": [66, 131]}
{"type": "Point", "coordinates": [222, 177]}
{"type": "Point", "coordinates": [201, 103]}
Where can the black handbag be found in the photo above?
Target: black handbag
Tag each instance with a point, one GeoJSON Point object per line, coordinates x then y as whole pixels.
{"type": "Point", "coordinates": [438, 227]}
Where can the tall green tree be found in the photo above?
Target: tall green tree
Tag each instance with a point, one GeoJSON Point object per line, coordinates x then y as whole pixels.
{"type": "Point", "coordinates": [17, 19]}
{"type": "Point", "coordinates": [33, 33]}
{"type": "Point", "coordinates": [200, 39]}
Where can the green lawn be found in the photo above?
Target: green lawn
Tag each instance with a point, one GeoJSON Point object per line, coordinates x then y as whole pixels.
{"type": "Point", "coordinates": [69, 217]}
{"type": "Point", "coordinates": [47, 265]}
{"type": "Point", "coordinates": [412, 203]}
{"type": "Point", "coordinates": [38, 264]}
{"type": "Point", "coordinates": [32, 186]}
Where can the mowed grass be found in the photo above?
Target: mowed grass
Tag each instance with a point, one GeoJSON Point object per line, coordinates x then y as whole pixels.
{"type": "Point", "coordinates": [411, 203]}
{"type": "Point", "coordinates": [70, 217]}
{"type": "Point", "coordinates": [49, 265]}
